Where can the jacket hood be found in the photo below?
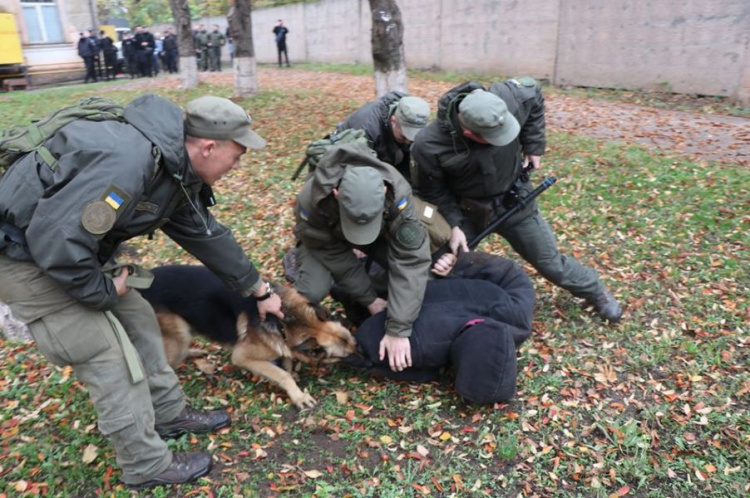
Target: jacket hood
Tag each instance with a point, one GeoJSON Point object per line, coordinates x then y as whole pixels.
{"type": "Point", "coordinates": [448, 103]}
{"type": "Point", "coordinates": [162, 123]}
{"type": "Point", "coordinates": [333, 164]}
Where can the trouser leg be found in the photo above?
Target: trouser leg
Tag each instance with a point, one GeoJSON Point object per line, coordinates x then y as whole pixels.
{"type": "Point", "coordinates": [533, 239]}
{"type": "Point", "coordinates": [68, 333]}
{"type": "Point", "coordinates": [315, 281]}
{"type": "Point", "coordinates": [139, 321]}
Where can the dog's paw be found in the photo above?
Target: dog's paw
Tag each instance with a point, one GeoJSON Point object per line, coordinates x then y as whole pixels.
{"type": "Point", "coordinates": [304, 400]}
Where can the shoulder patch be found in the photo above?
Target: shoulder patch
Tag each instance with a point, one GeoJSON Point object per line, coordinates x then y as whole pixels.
{"type": "Point", "coordinates": [98, 217]}
{"type": "Point", "coordinates": [410, 235]}
{"type": "Point", "coordinates": [402, 204]}
{"type": "Point", "coordinates": [116, 197]}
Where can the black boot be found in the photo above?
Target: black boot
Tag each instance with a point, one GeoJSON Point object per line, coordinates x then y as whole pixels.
{"type": "Point", "coordinates": [606, 307]}
{"type": "Point", "coordinates": [185, 467]}
{"type": "Point", "coordinates": [192, 420]}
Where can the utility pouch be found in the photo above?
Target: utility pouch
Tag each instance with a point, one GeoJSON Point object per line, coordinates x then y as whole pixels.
{"type": "Point", "coordinates": [480, 213]}
{"type": "Point", "coordinates": [437, 227]}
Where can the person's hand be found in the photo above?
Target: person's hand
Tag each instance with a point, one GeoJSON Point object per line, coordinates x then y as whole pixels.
{"type": "Point", "coordinates": [120, 286]}
{"type": "Point", "coordinates": [271, 305]}
{"type": "Point", "coordinates": [359, 254]}
{"type": "Point", "coordinates": [458, 239]}
{"type": "Point", "coordinates": [536, 162]}
{"type": "Point", "coordinates": [444, 264]}
{"type": "Point", "coordinates": [377, 306]}
{"type": "Point", "coordinates": [398, 350]}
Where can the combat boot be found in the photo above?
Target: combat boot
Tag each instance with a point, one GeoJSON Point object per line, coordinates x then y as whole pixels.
{"type": "Point", "coordinates": [185, 467]}
{"type": "Point", "coordinates": [192, 420]}
{"type": "Point", "coordinates": [606, 307]}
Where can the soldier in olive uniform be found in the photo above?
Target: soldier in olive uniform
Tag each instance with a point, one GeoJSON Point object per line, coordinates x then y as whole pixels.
{"type": "Point", "coordinates": [352, 200]}
{"type": "Point", "coordinates": [391, 123]}
{"type": "Point", "coordinates": [201, 47]}
{"type": "Point", "coordinates": [60, 226]}
{"type": "Point", "coordinates": [470, 159]}
{"type": "Point", "coordinates": [216, 40]}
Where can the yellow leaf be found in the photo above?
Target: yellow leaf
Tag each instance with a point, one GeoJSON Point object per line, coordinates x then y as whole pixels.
{"type": "Point", "coordinates": [313, 474]}
{"type": "Point", "coordinates": [21, 486]}
{"type": "Point", "coordinates": [445, 436]}
{"type": "Point", "coordinates": [386, 439]}
{"type": "Point", "coordinates": [710, 468]}
{"type": "Point", "coordinates": [89, 454]}
{"type": "Point", "coordinates": [342, 397]}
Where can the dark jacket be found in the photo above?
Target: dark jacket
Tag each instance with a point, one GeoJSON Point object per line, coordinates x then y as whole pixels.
{"type": "Point", "coordinates": [148, 39]}
{"type": "Point", "coordinates": [129, 48]}
{"type": "Point", "coordinates": [280, 32]}
{"type": "Point", "coordinates": [374, 119]}
{"type": "Point", "coordinates": [450, 166]}
{"type": "Point", "coordinates": [319, 229]}
{"type": "Point", "coordinates": [472, 321]}
{"type": "Point", "coordinates": [87, 47]}
{"type": "Point", "coordinates": [170, 42]}
{"type": "Point", "coordinates": [145, 164]}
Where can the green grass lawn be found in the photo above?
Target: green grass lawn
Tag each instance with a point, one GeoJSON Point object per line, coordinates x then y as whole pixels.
{"type": "Point", "coordinates": [657, 406]}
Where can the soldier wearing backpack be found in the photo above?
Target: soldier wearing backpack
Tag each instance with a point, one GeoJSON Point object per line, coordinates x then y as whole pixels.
{"type": "Point", "coordinates": [64, 210]}
{"type": "Point", "coordinates": [391, 123]}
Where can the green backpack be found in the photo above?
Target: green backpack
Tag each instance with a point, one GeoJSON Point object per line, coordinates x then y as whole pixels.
{"type": "Point", "coordinates": [316, 149]}
{"type": "Point", "coordinates": [22, 139]}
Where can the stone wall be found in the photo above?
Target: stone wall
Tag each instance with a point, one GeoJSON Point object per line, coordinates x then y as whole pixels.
{"type": "Point", "coordinates": [687, 46]}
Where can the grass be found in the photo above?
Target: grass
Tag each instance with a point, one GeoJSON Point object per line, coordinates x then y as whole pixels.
{"type": "Point", "coordinates": [655, 407]}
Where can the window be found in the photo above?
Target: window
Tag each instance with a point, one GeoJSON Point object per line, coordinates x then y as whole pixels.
{"type": "Point", "coordinates": [42, 20]}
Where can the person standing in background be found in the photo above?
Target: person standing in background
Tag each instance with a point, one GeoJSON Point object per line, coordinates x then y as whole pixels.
{"type": "Point", "coordinates": [280, 31]}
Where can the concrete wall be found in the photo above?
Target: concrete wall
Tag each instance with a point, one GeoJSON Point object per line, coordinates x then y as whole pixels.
{"type": "Point", "coordinates": [688, 46]}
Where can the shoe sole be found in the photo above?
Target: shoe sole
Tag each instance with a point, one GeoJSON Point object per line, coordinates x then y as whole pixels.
{"type": "Point", "coordinates": [175, 433]}
{"type": "Point", "coordinates": [156, 482]}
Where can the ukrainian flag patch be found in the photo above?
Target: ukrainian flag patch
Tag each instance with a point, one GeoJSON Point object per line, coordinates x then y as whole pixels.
{"type": "Point", "coordinates": [402, 204]}
{"type": "Point", "coordinates": [303, 214]}
{"type": "Point", "coordinates": [114, 200]}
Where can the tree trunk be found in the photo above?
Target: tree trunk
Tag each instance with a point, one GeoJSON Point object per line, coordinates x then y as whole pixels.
{"type": "Point", "coordinates": [241, 28]}
{"type": "Point", "coordinates": [186, 44]}
{"type": "Point", "coordinates": [388, 47]}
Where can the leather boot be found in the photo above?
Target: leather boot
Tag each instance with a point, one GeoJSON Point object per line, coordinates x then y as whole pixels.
{"type": "Point", "coordinates": [192, 420]}
{"type": "Point", "coordinates": [185, 467]}
{"type": "Point", "coordinates": [606, 307]}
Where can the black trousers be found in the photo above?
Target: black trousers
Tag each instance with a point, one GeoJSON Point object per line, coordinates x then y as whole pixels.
{"type": "Point", "coordinates": [282, 49]}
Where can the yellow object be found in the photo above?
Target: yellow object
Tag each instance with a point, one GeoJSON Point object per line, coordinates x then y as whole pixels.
{"type": "Point", "coordinates": [10, 41]}
{"type": "Point", "coordinates": [109, 30]}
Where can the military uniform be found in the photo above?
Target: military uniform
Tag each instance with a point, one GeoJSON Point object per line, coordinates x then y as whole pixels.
{"type": "Point", "coordinates": [216, 40]}
{"type": "Point", "coordinates": [201, 47]}
{"type": "Point", "coordinates": [468, 181]}
{"type": "Point", "coordinates": [374, 119]}
{"type": "Point", "coordinates": [113, 180]}
{"type": "Point", "coordinates": [326, 256]}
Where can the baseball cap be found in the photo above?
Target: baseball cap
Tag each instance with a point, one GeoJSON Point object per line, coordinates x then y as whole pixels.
{"type": "Point", "coordinates": [487, 115]}
{"type": "Point", "coordinates": [412, 114]}
{"type": "Point", "coordinates": [361, 200]}
{"type": "Point", "coordinates": [220, 119]}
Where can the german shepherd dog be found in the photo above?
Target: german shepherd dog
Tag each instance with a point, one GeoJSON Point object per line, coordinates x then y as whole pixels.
{"type": "Point", "coordinates": [191, 299]}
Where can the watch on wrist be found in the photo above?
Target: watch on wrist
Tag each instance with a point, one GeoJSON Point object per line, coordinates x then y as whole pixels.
{"type": "Point", "coordinates": [269, 293]}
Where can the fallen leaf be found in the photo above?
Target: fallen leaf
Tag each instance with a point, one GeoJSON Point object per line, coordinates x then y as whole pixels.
{"type": "Point", "coordinates": [422, 450]}
{"type": "Point", "coordinates": [342, 397]}
{"type": "Point", "coordinates": [205, 366]}
{"type": "Point", "coordinates": [90, 453]}
{"type": "Point", "coordinates": [313, 474]}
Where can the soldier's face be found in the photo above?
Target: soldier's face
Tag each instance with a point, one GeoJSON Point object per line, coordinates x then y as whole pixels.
{"type": "Point", "coordinates": [398, 133]}
{"type": "Point", "coordinates": [216, 158]}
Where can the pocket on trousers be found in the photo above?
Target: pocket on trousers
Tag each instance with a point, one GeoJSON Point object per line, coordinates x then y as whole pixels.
{"type": "Point", "coordinates": [111, 426]}
{"type": "Point", "coordinates": [70, 338]}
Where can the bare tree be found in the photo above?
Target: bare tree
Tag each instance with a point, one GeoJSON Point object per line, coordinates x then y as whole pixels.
{"type": "Point", "coordinates": [241, 28]}
{"type": "Point", "coordinates": [185, 42]}
{"type": "Point", "coordinates": [388, 47]}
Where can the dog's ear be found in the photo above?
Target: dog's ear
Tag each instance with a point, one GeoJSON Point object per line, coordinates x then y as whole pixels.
{"type": "Point", "coordinates": [307, 346]}
{"type": "Point", "coordinates": [321, 313]}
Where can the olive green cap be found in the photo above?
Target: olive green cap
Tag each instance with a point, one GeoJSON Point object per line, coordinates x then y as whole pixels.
{"type": "Point", "coordinates": [220, 119]}
{"type": "Point", "coordinates": [487, 115]}
{"type": "Point", "coordinates": [361, 203]}
{"type": "Point", "coordinates": [412, 114]}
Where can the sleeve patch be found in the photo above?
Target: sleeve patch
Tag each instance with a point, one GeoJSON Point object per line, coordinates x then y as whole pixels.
{"type": "Point", "coordinates": [410, 235]}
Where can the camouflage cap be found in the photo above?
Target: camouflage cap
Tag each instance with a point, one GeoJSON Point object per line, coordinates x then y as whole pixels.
{"type": "Point", "coordinates": [220, 119]}
{"type": "Point", "coordinates": [412, 114]}
{"type": "Point", "coordinates": [361, 203]}
{"type": "Point", "coordinates": [487, 115]}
